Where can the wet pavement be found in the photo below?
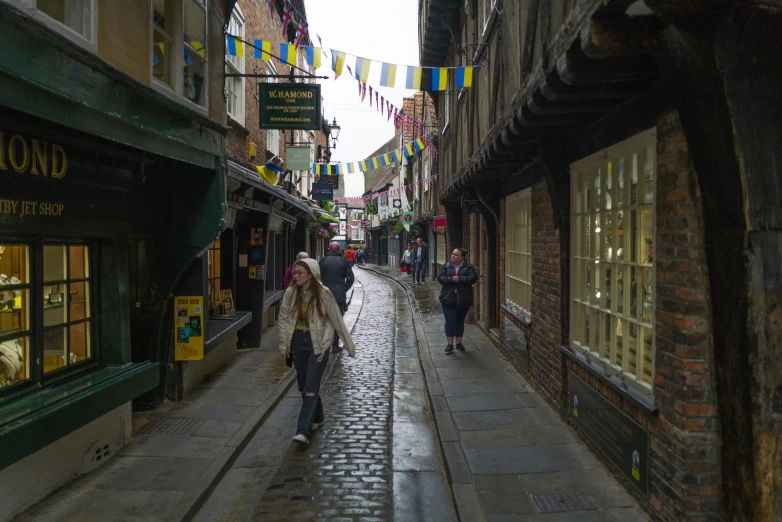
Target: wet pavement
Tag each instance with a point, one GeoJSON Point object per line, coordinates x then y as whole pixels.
{"type": "Point", "coordinates": [509, 456]}
{"type": "Point", "coordinates": [375, 458]}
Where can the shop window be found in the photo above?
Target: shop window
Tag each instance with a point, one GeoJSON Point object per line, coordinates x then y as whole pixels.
{"type": "Point", "coordinates": [66, 306]}
{"type": "Point", "coordinates": [235, 65]}
{"type": "Point", "coordinates": [442, 256]}
{"type": "Point", "coordinates": [612, 268]}
{"type": "Point", "coordinates": [518, 251]}
{"type": "Point", "coordinates": [64, 290]}
{"type": "Point", "coordinates": [213, 277]}
{"type": "Point", "coordinates": [179, 39]}
{"type": "Point", "coordinates": [15, 327]}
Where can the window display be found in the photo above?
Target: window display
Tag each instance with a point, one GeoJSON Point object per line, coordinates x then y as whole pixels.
{"type": "Point", "coordinates": [63, 289]}
{"type": "Point", "coordinates": [612, 281]}
{"type": "Point", "coordinates": [14, 314]}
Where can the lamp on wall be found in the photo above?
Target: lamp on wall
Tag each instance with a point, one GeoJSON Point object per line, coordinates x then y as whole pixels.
{"type": "Point", "coordinates": [251, 152]}
{"type": "Point", "coordinates": [334, 129]}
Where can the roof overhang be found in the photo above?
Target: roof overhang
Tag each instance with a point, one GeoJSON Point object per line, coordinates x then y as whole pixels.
{"type": "Point", "coordinates": [250, 178]}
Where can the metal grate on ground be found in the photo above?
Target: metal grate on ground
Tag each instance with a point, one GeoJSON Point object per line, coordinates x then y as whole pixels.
{"type": "Point", "coordinates": [169, 426]}
{"type": "Point", "coordinates": [560, 502]}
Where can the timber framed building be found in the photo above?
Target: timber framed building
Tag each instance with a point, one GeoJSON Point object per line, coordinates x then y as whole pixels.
{"type": "Point", "coordinates": [609, 173]}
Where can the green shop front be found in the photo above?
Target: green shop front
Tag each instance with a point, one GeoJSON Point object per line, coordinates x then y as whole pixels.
{"type": "Point", "coordinates": [108, 193]}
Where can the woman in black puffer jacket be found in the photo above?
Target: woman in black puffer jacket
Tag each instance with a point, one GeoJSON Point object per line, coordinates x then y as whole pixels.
{"type": "Point", "coordinates": [457, 277]}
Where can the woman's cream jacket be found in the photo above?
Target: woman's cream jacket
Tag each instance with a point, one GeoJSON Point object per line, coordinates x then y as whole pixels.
{"type": "Point", "coordinates": [321, 329]}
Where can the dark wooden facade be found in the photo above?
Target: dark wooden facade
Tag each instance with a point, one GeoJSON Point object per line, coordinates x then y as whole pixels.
{"type": "Point", "coordinates": [564, 79]}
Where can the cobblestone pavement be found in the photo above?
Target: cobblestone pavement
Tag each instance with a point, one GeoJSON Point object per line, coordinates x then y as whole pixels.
{"type": "Point", "coordinates": [347, 472]}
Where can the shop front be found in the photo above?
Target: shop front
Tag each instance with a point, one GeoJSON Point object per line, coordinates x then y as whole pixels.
{"type": "Point", "coordinates": [93, 236]}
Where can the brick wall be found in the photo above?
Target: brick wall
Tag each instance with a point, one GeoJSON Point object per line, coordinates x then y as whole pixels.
{"type": "Point", "coordinates": [545, 345]}
{"type": "Point", "coordinates": [684, 482]}
{"type": "Point", "coordinates": [258, 25]}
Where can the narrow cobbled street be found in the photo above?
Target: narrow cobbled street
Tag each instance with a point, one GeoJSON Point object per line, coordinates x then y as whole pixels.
{"type": "Point", "coordinates": [347, 472]}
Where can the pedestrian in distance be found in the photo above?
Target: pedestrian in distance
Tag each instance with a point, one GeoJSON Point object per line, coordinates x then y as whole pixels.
{"type": "Point", "coordinates": [337, 276]}
{"type": "Point", "coordinates": [421, 259]}
{"type": "Point", "coordinates": [456, 277]}
{"type": "Point", "coordinates": [309, 317]}
{"type": "Point", "coordinates": [350, 255]}
{"type": "Point", "coordinates": [287, 279]}
{"type": "Point", "coordinates": [408, 258]}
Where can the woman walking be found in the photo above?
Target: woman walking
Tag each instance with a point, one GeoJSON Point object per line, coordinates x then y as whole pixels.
{"type": "Point", "coordinates": [457, 277]}
{"type": "Point", "coordinates": [407, 259]}
{"type": "Point", "coordinates": [309, 315]}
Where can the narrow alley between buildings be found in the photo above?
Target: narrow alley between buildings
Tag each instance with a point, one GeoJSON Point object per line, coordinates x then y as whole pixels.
{"type": "Point", "coordinates": [411, 433]}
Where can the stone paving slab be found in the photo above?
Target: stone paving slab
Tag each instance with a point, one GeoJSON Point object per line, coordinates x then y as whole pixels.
{"type": "Point", "coordinates": [502, 443]}
{"type": "Point", "coordinates": [162, 477]}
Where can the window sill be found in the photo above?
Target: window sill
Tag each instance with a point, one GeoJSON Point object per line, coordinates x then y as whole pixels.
{"type": "Point", "coordinates": [219, 328]}
{"type": "Point", "coordinates": [168, 92]}
{"type": "Point", "coordinates": [524, 318]}
{"type": "Point", "coordinates": [236, 124]}
{"type": "Point", "coordinates": [645, 401]}
{"type": "Point", "coordinates": [50, 413]}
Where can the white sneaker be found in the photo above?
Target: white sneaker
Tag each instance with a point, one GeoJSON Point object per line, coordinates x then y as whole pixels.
{"type": "Point", "coordinates": [302, 439]}
{"type": "Point", "coordinates": [315, 425]}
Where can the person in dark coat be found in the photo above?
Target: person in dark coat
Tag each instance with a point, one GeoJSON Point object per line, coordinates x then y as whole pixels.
{"type": "Point", "coordinates": [457, 277]}
{"type": "Point", "coordinates": [336, 275]}
{"type": "Point", "coordinates": [421, 260]}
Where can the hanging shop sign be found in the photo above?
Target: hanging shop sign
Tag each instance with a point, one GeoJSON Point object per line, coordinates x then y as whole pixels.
{"type": "Point", "coordinates": [298, 157]}
{"type": "Point", "coordinates": [189, 330]}
{"type": "Point", "coordinates": [292, 106]}
{"type": "Point", "coordinates": [322, 191]}
{"type": "Point", "coordinates": [622, 440]}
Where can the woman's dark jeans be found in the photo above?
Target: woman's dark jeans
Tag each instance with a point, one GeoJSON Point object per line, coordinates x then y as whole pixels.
{"type": "Point", "coordinates": [454, 320]}
{"type": "Point", "coordinates": [309, 371]}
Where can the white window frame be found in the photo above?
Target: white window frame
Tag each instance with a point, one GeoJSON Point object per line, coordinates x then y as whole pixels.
{"type": "Point", "coordinates": [235, 65]}
{"type": "Point", "coordinates": [446, 112]}
{"type": "Point", "coordinates": [442, 256]}
{"type": "Point", "coordinates": [272, 136]}
{"type": "Point", "coordinates": [602, 316]}
{"type": "Point", "coordinates": [176, 91]}
{"type": "Point", "coordinates": [30, 7]}
{"type": "Point", "coordinates": [518, 252]}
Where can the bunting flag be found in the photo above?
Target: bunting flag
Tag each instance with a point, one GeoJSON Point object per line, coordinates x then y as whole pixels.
{"type": "Point", "coordinates": [287, 54]}
{"type": "Point", "coordinates": [337, 62]}
{"type": "Point", "coordinates": [269, 173]}
{"type": "Point", "coordinates": [370, 96]}
{"type": "Point", "coordinates": [271, 8]}
{"type": "Point", "coordinates": [362, 69]}
{"type": "Point", "coordinates": [382, 105]}
{"type": "Point", "coordinates": [301, 30]}
{"type": "Point", "coordinates": [263, 50]}
{"type": "Point", "coordinates": [377, 103]}
{"type": "Point", "coordinates": [388, 75]}
{"type": "Point", "coordinates": [394, 192]}
{"type": "Point", "coordinates": [413, 78]}
{"type": "Point", "coordinates": [439, 79]}
{"type": "Point", "coordinates": [463, 77]}
{"type": "Point", "coordinates": [388, 110]}
{"type": "Point", "coordinates": [287, 18]}
{"type": "Point", "coordinates": [365, 165]}
{"type": "Point", "coordinates": [199, 47]}
{"type": "Point", "coordinates": [235, 46]}
{"type": "Point", "coordinates": [313, 56]}
{"type": "Point", "coordinates": [363, 91]}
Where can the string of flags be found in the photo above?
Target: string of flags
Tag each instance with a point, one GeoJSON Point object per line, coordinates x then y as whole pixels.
{"type": "Point", "coordinates": [395, 192]}
{"type": "Point", "coordinates": [400, 118]}
{"type": "Point", "coordinates": [361, 216]}
{"type": "Point", "coordinates": [368, 164]}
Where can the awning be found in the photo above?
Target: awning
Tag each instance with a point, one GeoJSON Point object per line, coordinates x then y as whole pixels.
{"type": "Point", "coordinates": [247, 176]}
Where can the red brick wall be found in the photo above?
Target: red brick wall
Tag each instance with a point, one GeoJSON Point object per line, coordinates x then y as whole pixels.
{"type": "Point", "coordinates": [545, 340]}
{"type": "Point", "coordinates": [684, 482]}
{"type": "Point", "coordinates": [258, 25]}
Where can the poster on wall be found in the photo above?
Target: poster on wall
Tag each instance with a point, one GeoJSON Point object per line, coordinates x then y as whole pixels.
{"type": "Point", "coordinates": [256, 237]}
{"type": "Point", "coordinates": [257, 271]}
{"type": "Point", "coordinates": [189, 328]}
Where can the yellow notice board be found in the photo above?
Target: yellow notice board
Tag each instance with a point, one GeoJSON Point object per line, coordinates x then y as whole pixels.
{"type": "Point", "coordinates": [189, 328]}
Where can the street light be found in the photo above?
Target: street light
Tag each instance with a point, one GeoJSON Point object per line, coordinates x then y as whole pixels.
{"type": "Point", "coordinates": [334, 129]}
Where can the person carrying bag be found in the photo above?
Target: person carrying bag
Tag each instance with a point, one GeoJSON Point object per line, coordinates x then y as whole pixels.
{"type": "Point", "coordinates": [456, 277]}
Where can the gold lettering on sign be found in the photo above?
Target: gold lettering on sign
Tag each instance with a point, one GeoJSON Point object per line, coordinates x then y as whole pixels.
{"type": "Point", "coordinates": [59, 169]}
{"type": "Point", "coordinates": [22, 208]}
{"type": "Point", "coordinates": [40, 155]}
{"type": "Point", "coordinates": [34, 156]}
{"type": "Point", "coordinates": [2, 151]}
{"type": "Point", "coordinates": [13, 157]}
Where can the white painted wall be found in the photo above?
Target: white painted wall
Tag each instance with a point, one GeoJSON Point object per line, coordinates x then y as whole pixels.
{"type": "Point", "coordinates": [29, 480]}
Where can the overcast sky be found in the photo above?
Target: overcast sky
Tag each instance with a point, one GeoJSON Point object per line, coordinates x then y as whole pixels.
{"type": "Point", "coordinates": [382, 31]}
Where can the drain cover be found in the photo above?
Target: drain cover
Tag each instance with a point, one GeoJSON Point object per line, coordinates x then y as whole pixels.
{"type": "Point", "coordinates": [567, 501]}
{"type": "Point", "coordinates": [169, 426]}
